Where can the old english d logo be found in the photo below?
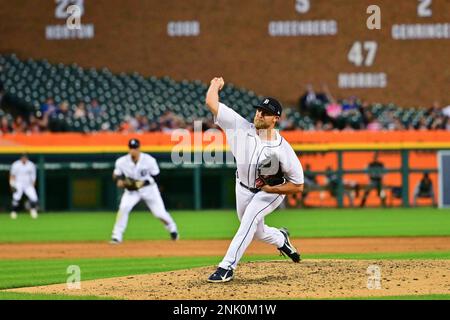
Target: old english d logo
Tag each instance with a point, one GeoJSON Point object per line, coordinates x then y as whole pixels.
{"type": "Point", "coordinates": [266, 101]}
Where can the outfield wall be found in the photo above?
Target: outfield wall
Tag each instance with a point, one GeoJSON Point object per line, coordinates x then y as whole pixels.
{"type": "Point", "coordinates": [274, 47]}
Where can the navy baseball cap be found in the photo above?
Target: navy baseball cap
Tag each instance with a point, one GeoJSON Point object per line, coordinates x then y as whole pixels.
{"type": "Point", "coordinates": [134, 144]}
{"type": "Point", "coordinates": [271, 105]}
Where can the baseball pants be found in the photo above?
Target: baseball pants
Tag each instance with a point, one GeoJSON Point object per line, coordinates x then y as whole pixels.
{"type": "Point", "coordinates": [152, 197]}
{"type": "Point", "coordinates": [251, 210]}
{"type": "Point", "coordinates": [29, 191]}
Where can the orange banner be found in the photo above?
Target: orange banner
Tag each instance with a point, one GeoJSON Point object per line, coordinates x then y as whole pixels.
{"type": "Point", "coordinates": [163, 142]}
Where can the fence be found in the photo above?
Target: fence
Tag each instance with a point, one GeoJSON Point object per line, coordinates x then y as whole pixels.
{"type": "Point", "coordinates": [83, 181]}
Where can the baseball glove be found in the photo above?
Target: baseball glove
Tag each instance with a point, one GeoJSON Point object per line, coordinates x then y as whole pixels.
{"type": "Point", "coordinates": [269, 174]}
{"type": "Point", "coordinates": [133, 185]}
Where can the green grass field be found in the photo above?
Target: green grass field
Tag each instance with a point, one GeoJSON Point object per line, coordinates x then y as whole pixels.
{"type": "Point", "coordinates": [60, 227]}
{"type": "Point", "coordinates": [222, 224]}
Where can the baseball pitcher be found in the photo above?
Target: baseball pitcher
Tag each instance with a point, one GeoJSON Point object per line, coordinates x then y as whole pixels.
{"type": "Point", "coordinates": [22, 180]}
{"type": "Point", "coordinates": [267, 170]}
{"type": "Point", "coordinates": [138, 174]}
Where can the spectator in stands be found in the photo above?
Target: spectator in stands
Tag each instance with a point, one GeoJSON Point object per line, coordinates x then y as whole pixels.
{"type": "Point", "coordinates": [438, 123]}
{"type": "Point", "coordinates": [310, 98]}
{"type": "Point", "coordinates": [63, 109]}
{"type": "Point", "coordinates": [33, 125]}
{"type": "Point", "coordinates": [80, 111]}
{"type": "Point", "coordinates": [446, 111]}
{"type": "Point", "coordinates": [142, 123]}
{"type": "Point", "coordinates": [350, 106]}
{"type": "Point", "coordinates": [19, 125]}
{"type": "Point", "coordinates": [42, 122]}
{"type": "Point", "coordinates": [435, 109]}
{"type": "Point", "coordinates": [375, 171]}
{"type": "Point", "coordinates": [154, 127]}
{"type": "Point", "coordinates": [422, 125]}
{"type": "Point", "coordinates": [395, 125]}
{"type": "Point", "coordinates": [5, 126]}
{"type": "Point", "coordinates": [372, 123]}
{"type": "Point", "coordinates": [307, 99]}
{"type": "Point", "coordinates": [364, 111]}
{"type": "Point", "coordinates": [285, 124]}
{"type": "Point", "coordinates": [333, 109]}
{"type": "Point", "coordinates": [48, 107]}
{"type": "Point", "coordinates": [424, 189]}
{"type": "Point", "coordinates": [348, 127]}
{"type": "Point", "coordinates": [169, 122]}
{"type": "Point", "coordinates": [320, 126]}
{"type": "Point", "coordinates": [94, 109]}
{"type": "Point", "coordinates": [129, 124]}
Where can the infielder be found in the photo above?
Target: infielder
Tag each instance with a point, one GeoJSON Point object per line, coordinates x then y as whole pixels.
{"type": "Point", "coordinates": [22, 180]}
{"type": "Point", "coordinates": [267, 170]}
{"type": "Point", "coordinates": [138, 174]}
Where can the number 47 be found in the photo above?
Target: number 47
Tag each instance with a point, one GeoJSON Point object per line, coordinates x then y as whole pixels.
{"type": "Point", "coordinates": [356, 54]}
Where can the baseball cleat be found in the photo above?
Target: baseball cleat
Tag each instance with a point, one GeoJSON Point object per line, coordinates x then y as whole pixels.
{"type": "Point", "coordinates": [288, 249]}
{"type": "Point", "coordinates": [221, 275]}
{"type": "Point", "coordinates": [115, 241]}
{"type": "Point", "coordinates": [174, 236]}
{"type": "Point", "coordinates": [13, 215]}
{"type": "Point", "coordinates": [34, 214]}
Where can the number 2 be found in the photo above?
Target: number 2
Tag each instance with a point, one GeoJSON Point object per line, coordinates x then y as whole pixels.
{"type": "Point", "coordinates": [423, 8]}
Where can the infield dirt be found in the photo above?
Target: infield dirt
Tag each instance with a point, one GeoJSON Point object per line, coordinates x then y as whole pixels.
{"type": "Point", "coordinates": [184, 248]}
{"type": "Point", "coordinates": [275, 280]}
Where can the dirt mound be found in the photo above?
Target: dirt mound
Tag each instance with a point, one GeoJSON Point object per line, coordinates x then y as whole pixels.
{"type": "Point", "coordinates": [275, 280]}
{"type": "Point", "coordinates": [183, 248]}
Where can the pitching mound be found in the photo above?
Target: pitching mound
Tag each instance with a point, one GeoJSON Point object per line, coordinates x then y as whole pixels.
{"type": "Point", "coordinates": [275, 280]}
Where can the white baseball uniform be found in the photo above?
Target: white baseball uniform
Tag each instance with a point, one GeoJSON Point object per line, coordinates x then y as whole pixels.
{"type": "Point", "coordinates": [143, 170]}
{"type": "Point", "coordinates": [250, 150]}
{"type": "Point", "coordinates": [24, 179]}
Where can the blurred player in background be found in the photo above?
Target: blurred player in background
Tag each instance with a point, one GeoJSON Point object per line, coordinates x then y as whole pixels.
{"type": "Point", "coordinates": [375, 170]}
{"type": "Point", "coordinates": [22, 180]}
{"type": "Point", "coordinates": [424, 189]}
{"type": "Point", "coordinates": [138, 174]}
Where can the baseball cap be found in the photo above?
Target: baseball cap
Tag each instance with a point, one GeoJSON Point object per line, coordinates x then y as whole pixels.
{"type": "Point", "coordinates": [271, 105]}
{"type": "Point", "coordinates": [134, 144]}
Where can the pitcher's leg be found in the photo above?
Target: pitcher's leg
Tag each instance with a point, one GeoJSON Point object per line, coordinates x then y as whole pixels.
{"type": "Point", "coordinates": [128, 201]}
{"type": "Point", "coordinates": [269, 235]}
{"type": "Point", "coordinates": [261, 205]}
{"type": "Point", "coordinates": [243, 198]}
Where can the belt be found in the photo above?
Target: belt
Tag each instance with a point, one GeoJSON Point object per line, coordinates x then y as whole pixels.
{"type": "Point", "coordinates": [253, 190]}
